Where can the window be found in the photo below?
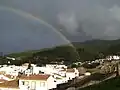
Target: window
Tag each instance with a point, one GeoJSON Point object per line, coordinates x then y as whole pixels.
{"type": "Point", "coordinates": [26, 83]}
{"type": "Point", "coordinates": [23, 82]}
{"type": "Point", "coordinates": [54, 81]}
{"type": "Point", "coordinates": [69, 78]}
{"type": "Point", "coordinates": [42, 84]}
{"type": "Point", "coordinates": [33, 85]}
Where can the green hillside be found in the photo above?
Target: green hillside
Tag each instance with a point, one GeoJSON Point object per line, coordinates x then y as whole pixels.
{"type": "Point", "coordinates": [94, 46]}
{"type": "Point", "coordinates": [89, 50]}
{"type": "Point", "coordinates": [65, 53]}
{"type": "Point", "coordinates": [26, 53]}
{"type": "Point", "coordinates": [112, 84]}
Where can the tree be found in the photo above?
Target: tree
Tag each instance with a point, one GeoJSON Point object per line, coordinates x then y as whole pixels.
{"type": "Point", "coordinates": [29, 66]}
{"type": "Point", "coordinates": [74, 66]}
{"type": "Point", "coordinates": [100, 56]}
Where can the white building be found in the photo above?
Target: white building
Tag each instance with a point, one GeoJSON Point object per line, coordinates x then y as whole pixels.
{"type": "Point", "coordinates": [62, 73]}
{"type": "Point", "coordinates": [10, 58]}
{"type": "Point", "coordinates": [115, 57]}
{"type": "Point", "coordinates": [72, 73]}
{"type": "Point", "coordinates": [55, 66]}
{"type": "Point", "coordinates": [37, 82]}
{"type": "Point", "coordinates": [9, 71]}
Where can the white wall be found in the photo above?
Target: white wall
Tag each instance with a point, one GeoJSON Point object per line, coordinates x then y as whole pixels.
{"type": "Point", "coordinates": [70, 75]}
{"type": "Point", "coordinates": [50, 83]}
{"type": "Point", "coordinates": [113, 57]}
{"type": "Point", "coordinates": [38, 87]}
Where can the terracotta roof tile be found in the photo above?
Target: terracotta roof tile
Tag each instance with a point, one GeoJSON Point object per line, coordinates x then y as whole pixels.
{"type": "Point", "coordinates": [10, 84]}
{"type": "Point", "coordinates": [35, 77]}
{"type": "Point", "coordinates": [9, 76]}
{"type": "Point", "coordinates": [2, 72]}
{"type": "Point", "coordinates": [70, 70]}
{"type": "Point", "coordinates": [2, 80]}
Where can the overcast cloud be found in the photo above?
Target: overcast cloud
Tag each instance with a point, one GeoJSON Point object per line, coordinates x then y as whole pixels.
{"type": "Point", "coordinates": [96, 16]}
{"type": "Point", "coordinates": [78, 20]}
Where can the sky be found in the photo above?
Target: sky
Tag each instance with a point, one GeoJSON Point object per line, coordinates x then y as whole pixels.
{"type": "Point", "coordinates": [78, 20]}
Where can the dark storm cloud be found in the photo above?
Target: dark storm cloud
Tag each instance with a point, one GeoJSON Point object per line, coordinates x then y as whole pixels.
{"type": "Point", "coordinates": [78, 18]}
{"type": "Point", "coordinates": [20, 31]}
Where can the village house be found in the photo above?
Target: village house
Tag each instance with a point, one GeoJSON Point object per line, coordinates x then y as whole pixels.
{"type": "Point", "coordinates": [113, 57]}
{"type": "Point", "coordinates": [9, 71]}
{"type": "Point", "coordinates": [56, 66]}
{"type": "Point", "coordinates": [48, 69]}
{"type": "Point", "coordinates": [82, 70]}
{"type": "Point", "coordinates": [10, 58]}
{"type": "Point", "coordinates": [37, 82]}
{"type": "Point", "coordinates": [45, 70]}
{"type": "Point", "coordinates": [25, 65]}
{"type": "Point", "coordinates": [72, 73]}
{"type": "Point", "coordinates": [36, 78]}
{"type": "Point", "coordinates": [59, 79]}
{"type": "Point", "coordinates": [62, 72]}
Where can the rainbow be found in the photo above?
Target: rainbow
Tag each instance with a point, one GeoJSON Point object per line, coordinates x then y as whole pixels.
{"type": "Point", "coordinates": [30, 16]}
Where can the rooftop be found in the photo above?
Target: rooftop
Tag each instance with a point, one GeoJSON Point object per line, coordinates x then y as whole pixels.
{"type": "Point", "coordinates": [10, 84]}
{"type": "Point", "coordinates": [70, 70]}
{"type": "Point", "coordinates": [2, 80]}
{"type": "Point", "coordinates": [9, 76]}
{"type": "Point", "coordinates": [35, 77]}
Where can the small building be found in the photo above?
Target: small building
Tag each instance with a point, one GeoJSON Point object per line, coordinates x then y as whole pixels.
{"type": "Point", "coordinates": [9, 70]}
{"type": "Point", "coordinates": [62, 73]}
{"type": "Point", "coordinates": [72, 73]}
{"type": "Point", "coordinates": [37, 82]}
{"type": "Point", "coordinates": [10, 58]}
{"type": "Point", "coordinates": [113, 57]}
{"type": "Point", "coordinates": [82, 70]}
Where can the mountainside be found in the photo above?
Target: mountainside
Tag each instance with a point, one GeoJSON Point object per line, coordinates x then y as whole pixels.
{"type": "Point", "coordinates": [65, 53]}
{"type": "Point", "coordinates": [92, 49]}
{"type": "Point", "coordinates": [89, 50]}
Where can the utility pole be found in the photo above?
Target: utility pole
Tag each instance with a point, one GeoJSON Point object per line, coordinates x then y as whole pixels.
{"type": "Point", "coordinates": [118, 69]}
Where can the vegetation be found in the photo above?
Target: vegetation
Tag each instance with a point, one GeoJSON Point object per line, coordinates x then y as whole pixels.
{"type": "Point", "coordinates": [66, 54]}
{"type": "Point", "coordinates": [112, 84]}
{"type": "Point", "coordinates": [90, 66]}
{"type": "Point", "coordinates": [26, 53]}
{"type": "Point", "coordinates": [96, 49]}
{"type": "Point", "coordinates": [89, 50]}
